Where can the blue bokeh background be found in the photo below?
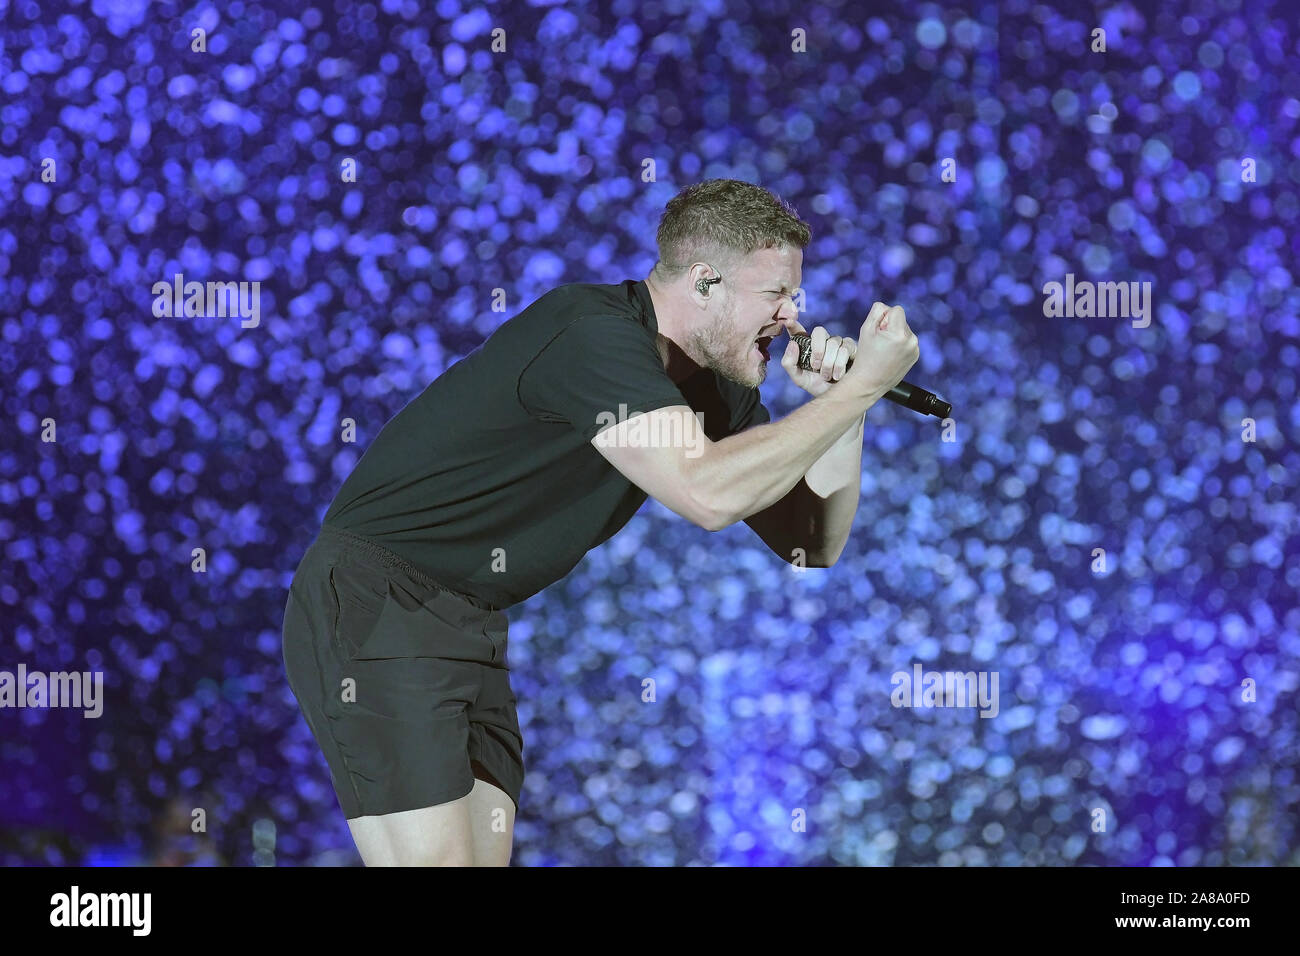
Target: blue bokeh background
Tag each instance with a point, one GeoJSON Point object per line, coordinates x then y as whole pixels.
{"type": "Point", "coordinates": [1121, 689]}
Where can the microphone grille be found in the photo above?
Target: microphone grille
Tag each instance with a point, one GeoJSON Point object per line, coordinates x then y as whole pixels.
{"type": "Point", "coordinates": [804, 341]}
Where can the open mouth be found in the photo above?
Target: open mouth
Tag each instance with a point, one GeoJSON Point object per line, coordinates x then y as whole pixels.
{"type": "Point", "coordinates": [761, 345]}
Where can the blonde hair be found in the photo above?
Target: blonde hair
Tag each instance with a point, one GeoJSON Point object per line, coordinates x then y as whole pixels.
{"type": "Point", "coordinates": [721, 221]}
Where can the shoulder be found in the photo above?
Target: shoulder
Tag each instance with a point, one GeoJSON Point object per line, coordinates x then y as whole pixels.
{"type": "Point", "coordinates": [583, 309]}
{"type": "Point", "coordinates": [598, 298]}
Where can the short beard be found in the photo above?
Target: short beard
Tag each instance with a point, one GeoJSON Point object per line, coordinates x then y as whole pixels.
{"type": "Point", "coordinates": [717, 344]}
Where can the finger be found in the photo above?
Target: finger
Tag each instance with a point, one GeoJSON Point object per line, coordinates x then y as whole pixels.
{"type": "Point", "coordinates": [790, 360]}
{"type": "Point", "coordinates": [893, 318]}
{"type": "Point", "coordinates": [791, 329]}
{"type": "Point", "coordinates": [830, 357]}
{"type": "Point", "coordinates": [819, 338]}
{"type": "Point", "coordinates": [877, 310]}
{"type": "Point", "coordinates": [848, 348]}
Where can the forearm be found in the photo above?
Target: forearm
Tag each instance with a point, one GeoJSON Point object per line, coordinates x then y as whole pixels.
{"type": "Point", "coordinates": [835, 483]}
{"type": "Point", "coordinates": [747, 472]}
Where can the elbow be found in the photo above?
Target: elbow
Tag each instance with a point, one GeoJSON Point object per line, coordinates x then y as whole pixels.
{"type": "Point", "coordinates": [711, 515]}
{"type": "Point", "coordinates": [833, 557]}
{"type": "Point", "coordinates": [712, 519]}
{"type": "Point", "coordinates": [714, 500]}
{"type": "Point", "coordinates": [707, 508]}
{"type": "Point", "coordinates": [815, 558]}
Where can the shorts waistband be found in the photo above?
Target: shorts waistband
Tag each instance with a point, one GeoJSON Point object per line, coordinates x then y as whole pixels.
{"type": "Point", "coordinates": [392, 560]}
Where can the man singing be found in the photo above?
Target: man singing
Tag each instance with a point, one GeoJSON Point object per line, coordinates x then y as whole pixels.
{"type": "Point", "coordinates": [495, 481]}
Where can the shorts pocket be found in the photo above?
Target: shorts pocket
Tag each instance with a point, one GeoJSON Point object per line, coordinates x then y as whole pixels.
{"type": "Point", "coordinates": [360, 596]}
{"type": "Point", "coordinates": [434, 624]}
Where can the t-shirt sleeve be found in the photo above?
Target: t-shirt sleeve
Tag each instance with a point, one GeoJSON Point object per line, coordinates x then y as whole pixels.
{"type": "Point", "coordinates": [598, 370]}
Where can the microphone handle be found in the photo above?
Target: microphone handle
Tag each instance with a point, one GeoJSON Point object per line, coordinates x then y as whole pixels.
{"type": "Point", "coordinates": [904, 393]}
{"type": "Point", "coordinates": [918, 399]}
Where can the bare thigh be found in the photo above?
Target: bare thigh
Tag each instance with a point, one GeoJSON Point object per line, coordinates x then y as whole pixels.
{"type": "Point", "coordinates": [429, 836]}
{"type": "Point", "coordinates": [475, 830]}
{"type": "Point", "coordinates": [492, 819]}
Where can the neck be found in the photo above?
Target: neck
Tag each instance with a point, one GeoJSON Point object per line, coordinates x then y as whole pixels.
{"type": "Point", "coordinates": [669, 316]}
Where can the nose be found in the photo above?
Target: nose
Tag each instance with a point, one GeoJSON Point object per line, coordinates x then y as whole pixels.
{"type": "Point", "coordinates": [788, 315]}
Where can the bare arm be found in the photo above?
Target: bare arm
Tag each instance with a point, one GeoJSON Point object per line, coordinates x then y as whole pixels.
{"type": "Point", "coordinates": [810, 525]}
{"type": "Point", "coordinates": [715, 484]}
{"type": "Point", "coordinates": [760, 466]}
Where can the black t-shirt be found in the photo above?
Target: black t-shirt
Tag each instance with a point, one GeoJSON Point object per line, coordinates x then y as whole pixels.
{"type": "Point", "coordinates": [487, 480]}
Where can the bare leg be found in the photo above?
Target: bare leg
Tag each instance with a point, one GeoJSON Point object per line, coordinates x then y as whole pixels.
{"type": "Point", "coordinates": [429, 836]}
{"type": "Point", "coordinates": [492, 820]}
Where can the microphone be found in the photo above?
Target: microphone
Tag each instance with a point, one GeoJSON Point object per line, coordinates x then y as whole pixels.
{"type": "Point", "coordinates": [904, 393]}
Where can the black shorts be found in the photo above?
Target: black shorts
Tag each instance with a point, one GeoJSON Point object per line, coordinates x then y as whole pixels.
{"type": "Point", "coordinates": [403, 682]}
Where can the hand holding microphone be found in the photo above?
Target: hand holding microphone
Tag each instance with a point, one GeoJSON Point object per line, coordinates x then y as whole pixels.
{"type": "Point", "coordinates": [888, 349]}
